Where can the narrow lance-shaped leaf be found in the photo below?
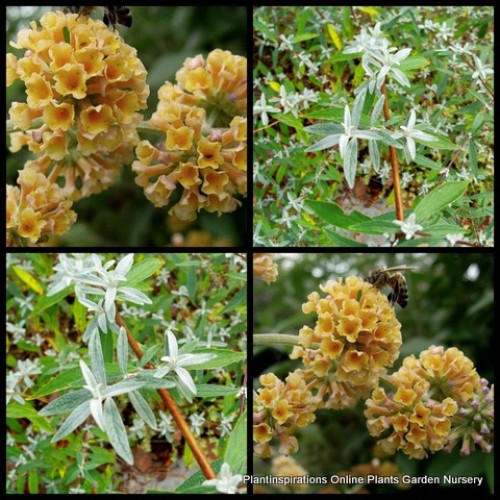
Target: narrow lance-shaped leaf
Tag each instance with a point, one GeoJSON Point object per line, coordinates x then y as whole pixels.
{"type": "Point", "coordinates": [65, 403]}
{"type": "Point", "coordinates": [142, 408]}
{"type": "Point", "coordinates": [122, 350]}
{"type": "Point", "coordinates": [97, 359]}
{"type": "Point", "coordinates": [374, 155]}
{"type": "Point", "coordinates": [377, 109]}
{"type": "Point", "coordinates": [116, 431]}
{"type": "Point", "coordinates": [327, 142]}
{"type": "Point", "coordinates": [73, 421]}
{"type": "Point", "coordinates": [358, 108]}
{"type": "Point", "coordinates": [350, 161]}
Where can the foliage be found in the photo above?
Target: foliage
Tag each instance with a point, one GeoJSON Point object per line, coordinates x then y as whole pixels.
{"type": "Point", "coordinates": [67, 360]}
{"type": "Point", "coordinates": [322, 165]}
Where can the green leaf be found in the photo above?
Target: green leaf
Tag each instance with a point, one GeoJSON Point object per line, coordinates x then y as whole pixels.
{"type": "Point", "coordinates": [33, 482]}
{"type": "Point", "coordinates": [236, 449]}
{"type": "Point", "coordinates": [324, 129]}
{"type": "Point", "coordinates": [141, 406]}
{"type": "Point", "coordinates": [330, 213]}
{"type": "Point", "coordinates": [239, 299]}
{"type": "Point", "coordinates": [66, 403]}
{"type": "Point", "coordinates": [413, 62]}
{"type": "Point", "coordinates": [80, 315]}
{"type": "Point", "coordinates": [425, 162]}
{"type": "Point", "coordinates": [263, 28]}
{"type": "Point", "coordinates": [375, 227]}
{"type": "Point", "coordinates": [17, 410]}
{"type": "Point", "coordinates": [303, 37]}
{"type": "Point", "coordinates": [191, 283]}
{"type": "Point", "coordinates": [215, 391]}
{"type": "Point", "coordinates": [338, 240]}
{"type": "Point", "coordinates": [28, 279]}
{"type": "Point", "coordinates": [143, 270]}
{"type": "Point", "coordinates": [149, 354]}
{"type": "Point", "coordinates": [439, 198]}
{"type": "Point", "coordinates": [439, 142]}
{"type": "Point", "coordinates": [197, 478]}
{"type": "Point", "coordinates": [116, 431]}
{"type": "Point", "coordinates": [473, 159]}
{"type": "Point", "coordinates": [47, 301]}
{"type": "Point", "coordinates": [223, 357]}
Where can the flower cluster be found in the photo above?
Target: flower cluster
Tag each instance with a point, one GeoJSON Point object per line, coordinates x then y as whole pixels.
{"type": "Point", "coordinates": [280, 406]}
{"type": "Point", "coordinates": [203, 117]}
{"type": "Point", "coordinates": [85, 88]}
{"type": "Point", "coordinates": [418, 416]}
{"type": "Point", "coordinates": [283, 466]}
{"type": "Point", "coordinates": [36, 209]}
{"type": "Point", "coordinates": [264, 267]}
{"type": "Point", "coordinates": [356, 339]}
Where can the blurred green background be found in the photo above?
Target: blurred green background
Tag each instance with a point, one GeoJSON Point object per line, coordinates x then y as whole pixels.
{"type": "Point", "coordinates": [450, 304]}
{"type": "Point", "coordinates": [164, 37]}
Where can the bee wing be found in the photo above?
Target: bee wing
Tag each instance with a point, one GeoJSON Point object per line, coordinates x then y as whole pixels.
{"type": "Point", "coordinates": [399, 268]}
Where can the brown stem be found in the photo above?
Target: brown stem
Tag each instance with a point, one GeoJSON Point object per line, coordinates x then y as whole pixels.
{"type": "Point", "coordinates": [395, 167]}
{"type": "Point", "coordinates": [173, 409]}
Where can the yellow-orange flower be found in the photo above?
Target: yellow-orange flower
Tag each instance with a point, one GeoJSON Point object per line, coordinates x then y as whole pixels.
{"type": "Point", "coordinates": [89, 87]}
{"type": "Point", "coordinates": [203, 118]}
{"type": "Point", "coordinates": [355, 340]}
{"type": "Point", "coordinates": [264, 267]}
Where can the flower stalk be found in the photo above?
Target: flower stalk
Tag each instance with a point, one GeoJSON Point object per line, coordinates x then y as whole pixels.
{"type": "Point", "coordinates": [275, 338]}
{"type": "Point", "coordinates": [173, 409]}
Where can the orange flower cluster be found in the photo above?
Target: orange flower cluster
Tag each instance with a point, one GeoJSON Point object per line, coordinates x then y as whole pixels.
{"type": "Point", "coordinates": [419, 415]}
{"type": "Point", "coordinates": [356, 338]}
{"type": "Point", "coordinates": [37, 209]}
{"type": "Point", "coordinates": [283, 466]}
{"type": "Point", "coordinates": [204, 153]}
{"type": "Point", "coordinates": [264, 267]}
{"type": "Point", "coordinates": [85, 88]}
{"type": "Point", "coordinates": [278, 407]}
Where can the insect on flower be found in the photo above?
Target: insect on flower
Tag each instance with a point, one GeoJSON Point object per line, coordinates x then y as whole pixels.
{"type": "Point", "coordinates": [381, 277]}
{"type": "Point", "coordinates": [113, 14]}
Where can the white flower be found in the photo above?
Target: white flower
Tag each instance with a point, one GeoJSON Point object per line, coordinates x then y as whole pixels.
{"type": "Point", "coordinates": [110, 284]}
{"type": "Point", "coordinates": [225, 427]}
{"type": "Point", "coordinates": [176, 362]}
{"type": "Point", "coordinates": [261, 107]}
{"type": "Point", "coordinates": [225, 481]}
{"type": "Point", "coordinates": [409, 227]}
{"type": "Point", "coordinates": [453, 238]}
{"type": "Point", "coordinates": [481, 72]}
{"type": "Point", "coordinates": [410, 133]}
{"type": "Point", "coordinates": [68, 270]}
{"type": "Point", "coordinates": [197, 421]}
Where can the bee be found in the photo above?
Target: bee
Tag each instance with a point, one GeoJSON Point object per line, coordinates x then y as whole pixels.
{"type": "Point", "coordinates": [113, 14]}
{"type": "Point", "coordinates": [381, 277]}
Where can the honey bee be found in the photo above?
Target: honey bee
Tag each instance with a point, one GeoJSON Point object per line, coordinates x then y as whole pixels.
{"type": "Point", "coordinates": [113, 14]}
{"type": "Point", "coordinates": [381, 277]}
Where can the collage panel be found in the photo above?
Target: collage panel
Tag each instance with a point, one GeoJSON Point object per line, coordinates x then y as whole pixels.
{"type": "Point", "coordinates": [373, 126]}
{"type": "Point", "coordinates": [126, 373]}
{"type": "Point", "coordinates": [372, 373]}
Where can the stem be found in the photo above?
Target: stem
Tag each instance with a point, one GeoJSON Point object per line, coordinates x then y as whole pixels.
{"type": "Point", "coordinates": [395, 167]}
{"type": "Point", "coordinates": [275, 338]}
{"type": "Point", "coordinates": [173, 409]}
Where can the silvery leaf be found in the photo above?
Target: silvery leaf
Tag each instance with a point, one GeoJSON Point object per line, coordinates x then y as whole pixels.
{"type": "Point", "coordinates": [142, 408]}
{"type": "Point", "coordinates": [116, 432]}
{"type": "Point", "coordinates": [133, 295]}
{"type": "Point", "coordinates": [374, 155]}
{"type": "Point", "coordinates": [77, 418]}
{"type": "Point", "coordinates": [358, 108]}
{"type": "Point", "coordinates": [91, 327]}
{"type": "Point", "coordinates": [327, 142]}
{"type": "Point", "coordinates": [97, 359]}
{"type": "Point", "coordinates": [377, 109]}
{"type": "Point", "coordinates": [122, 350]}
{"type": "Point", "coordinates": [66, 403]}
{"type": "Point", "coordinates": [122, 388]}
